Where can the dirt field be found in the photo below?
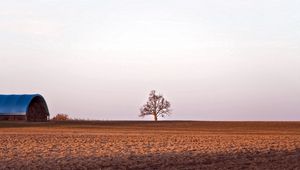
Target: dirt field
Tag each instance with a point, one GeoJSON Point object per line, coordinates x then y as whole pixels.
{"type": "Point", "coordinates": [148, 145]}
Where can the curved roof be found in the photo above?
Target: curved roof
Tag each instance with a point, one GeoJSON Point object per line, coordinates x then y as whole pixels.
{"type": "Point", "coordinates": [16, 104]}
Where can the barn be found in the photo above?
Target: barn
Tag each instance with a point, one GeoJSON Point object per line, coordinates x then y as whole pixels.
{"type": "Point", "coordinates": [27, 107]}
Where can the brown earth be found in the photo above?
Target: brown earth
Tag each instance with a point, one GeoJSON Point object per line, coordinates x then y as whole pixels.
{"type": "Point", "coordinates": [149, 145]}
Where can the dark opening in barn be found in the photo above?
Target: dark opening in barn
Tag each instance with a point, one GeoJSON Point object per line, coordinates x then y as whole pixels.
{"type": "Point", "coordinates": [23, 107]}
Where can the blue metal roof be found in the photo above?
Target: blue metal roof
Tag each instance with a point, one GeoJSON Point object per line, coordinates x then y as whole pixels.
{"type": "Point", "coordinates": [16, 104]}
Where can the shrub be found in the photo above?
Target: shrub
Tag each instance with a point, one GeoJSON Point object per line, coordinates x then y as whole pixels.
{"type": "Point", "coordinates": [61, 117]}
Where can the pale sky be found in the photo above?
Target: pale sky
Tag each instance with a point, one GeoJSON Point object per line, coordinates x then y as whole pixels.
{"type": "Point", "coordinates": [213, 60]}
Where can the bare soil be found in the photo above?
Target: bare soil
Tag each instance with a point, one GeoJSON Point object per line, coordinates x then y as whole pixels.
{"type": "Point", "coordinates": [149, 145]}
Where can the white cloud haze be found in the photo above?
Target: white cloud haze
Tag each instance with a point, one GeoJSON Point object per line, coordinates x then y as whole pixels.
{"type": "Point", "coordinates": [214, 60]}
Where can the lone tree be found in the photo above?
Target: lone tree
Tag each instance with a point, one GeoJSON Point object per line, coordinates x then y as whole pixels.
{"type": "Point", "coordinates": [156, 106]}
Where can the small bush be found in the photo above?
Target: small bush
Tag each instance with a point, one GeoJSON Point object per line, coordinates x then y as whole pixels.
{"type": "Point", "coordinates": [61, 117]}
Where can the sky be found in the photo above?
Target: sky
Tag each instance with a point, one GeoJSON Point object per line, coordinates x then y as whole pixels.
{"type": "Point", "coordinates": [213, 60]}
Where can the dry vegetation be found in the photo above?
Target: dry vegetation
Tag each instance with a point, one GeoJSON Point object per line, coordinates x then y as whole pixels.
{"type": "Point", "coordinates": [61, 117]}
{"type": "Point", "coordinates": [149, 145]}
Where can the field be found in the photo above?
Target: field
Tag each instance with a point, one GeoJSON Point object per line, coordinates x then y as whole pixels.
{"type": "Point", "coordinates": [149, 145]}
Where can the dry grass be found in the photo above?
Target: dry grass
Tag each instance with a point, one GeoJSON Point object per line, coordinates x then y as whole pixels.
{"type": "Point", "coordinates": [148, 145]}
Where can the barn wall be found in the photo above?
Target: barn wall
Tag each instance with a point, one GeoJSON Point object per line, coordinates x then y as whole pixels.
{"type": "Point", "coordinates": [38, 110]}
{"type": "Point", "coordinates": [12, 117]}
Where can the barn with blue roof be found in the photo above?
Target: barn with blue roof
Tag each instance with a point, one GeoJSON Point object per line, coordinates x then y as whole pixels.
{"type": "Point", "coordinates": [29, 107]}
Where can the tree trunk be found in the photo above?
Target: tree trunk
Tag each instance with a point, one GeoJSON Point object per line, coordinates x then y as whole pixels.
{"type": "Point", "coordinates": [155, 117]}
